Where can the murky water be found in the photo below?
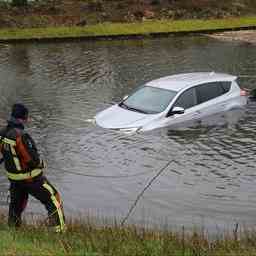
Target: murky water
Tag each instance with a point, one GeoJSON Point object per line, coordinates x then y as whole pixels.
{"type": "Point", "coordinates": [211, 179]}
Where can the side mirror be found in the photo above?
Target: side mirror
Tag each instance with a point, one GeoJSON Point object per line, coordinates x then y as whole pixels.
{"type": "Point", "coordinates": [176, 110]}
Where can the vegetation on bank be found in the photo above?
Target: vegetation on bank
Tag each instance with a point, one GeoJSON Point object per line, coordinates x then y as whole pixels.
{"type": "Point", "coordinates": [88, 239]}
{"type": "Point", "coordinates": [145, 28]}
{"type": "Point", "coordinates": [40, 19]}
{"type": "Point", "coordinates": [55, 13]}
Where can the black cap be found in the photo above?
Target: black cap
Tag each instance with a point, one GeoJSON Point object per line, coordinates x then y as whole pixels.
{"type": "Point", "coordinates": [19, 111]}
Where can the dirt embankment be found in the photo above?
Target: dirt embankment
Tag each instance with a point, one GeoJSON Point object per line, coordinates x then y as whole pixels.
{"type": "Point", "coordinates": [48, 13]}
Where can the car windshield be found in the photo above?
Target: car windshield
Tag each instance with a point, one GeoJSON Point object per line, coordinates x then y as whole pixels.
{"type": "Point", "coordinates": [149, 100]}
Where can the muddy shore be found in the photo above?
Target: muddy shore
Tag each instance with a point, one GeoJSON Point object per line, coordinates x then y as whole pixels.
{"type": "Point", "coordinates": [247, 36]}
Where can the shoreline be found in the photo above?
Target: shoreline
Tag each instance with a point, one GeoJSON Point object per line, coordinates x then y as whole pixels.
{"type": "Point", "coordinates": [246, 36]}
{"type": "Point", "coordinates": [147, 29]}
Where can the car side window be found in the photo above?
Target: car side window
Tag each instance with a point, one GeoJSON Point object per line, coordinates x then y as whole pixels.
{"type": "Point", "coordinates": [186, 100]}
{"type": "Point", "coordinates": [226, 86]}
{"type": "Point", "coordinates": [210, 91]}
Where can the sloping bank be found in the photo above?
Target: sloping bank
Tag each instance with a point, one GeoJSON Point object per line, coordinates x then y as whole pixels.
{"type": "Point", "coordinates": [129, 30]}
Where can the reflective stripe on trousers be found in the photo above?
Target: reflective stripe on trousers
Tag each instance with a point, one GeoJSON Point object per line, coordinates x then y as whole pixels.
{"type": "Point", "coordinates": [58, 206]}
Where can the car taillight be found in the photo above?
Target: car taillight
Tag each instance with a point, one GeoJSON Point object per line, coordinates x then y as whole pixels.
{"type": "Point", "coordinates": [244, 92]}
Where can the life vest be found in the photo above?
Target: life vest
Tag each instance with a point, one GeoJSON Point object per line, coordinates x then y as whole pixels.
{"type": "Point", "coordinates": [21, 158]}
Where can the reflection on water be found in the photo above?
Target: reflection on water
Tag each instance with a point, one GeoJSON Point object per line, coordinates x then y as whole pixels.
{"type": "Point", "coordinates": [211, 179]}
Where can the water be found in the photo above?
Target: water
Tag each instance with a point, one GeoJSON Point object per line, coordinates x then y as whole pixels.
{"type": "Point", "coordinates": [211, 178]}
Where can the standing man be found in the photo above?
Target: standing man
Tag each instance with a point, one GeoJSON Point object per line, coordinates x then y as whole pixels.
{"type": "Point", "coordinates": [24, 170]}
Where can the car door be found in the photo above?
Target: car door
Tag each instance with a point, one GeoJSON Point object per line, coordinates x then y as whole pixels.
{"type": "Point", "coordinates": [191, 115]}
{"type": "Point", "coordinates": [210, 98]}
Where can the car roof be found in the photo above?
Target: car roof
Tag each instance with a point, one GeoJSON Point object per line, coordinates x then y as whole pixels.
{"type": "Point", "coordinates": [180, 81]}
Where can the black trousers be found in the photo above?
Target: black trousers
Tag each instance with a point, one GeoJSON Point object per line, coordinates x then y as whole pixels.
{"type": "Point", "coordinates": [41, 189]}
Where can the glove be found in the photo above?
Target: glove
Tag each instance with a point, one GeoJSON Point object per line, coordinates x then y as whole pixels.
{"type": "Point", "coordinates": [42, 164]}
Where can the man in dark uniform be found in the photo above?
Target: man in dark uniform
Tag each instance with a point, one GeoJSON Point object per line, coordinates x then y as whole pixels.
{"type": "Point", "coordinates": [24, 169]}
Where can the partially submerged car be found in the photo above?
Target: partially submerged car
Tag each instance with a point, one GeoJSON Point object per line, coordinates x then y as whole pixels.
{"type": "Point", "coordinates": [173, 100]}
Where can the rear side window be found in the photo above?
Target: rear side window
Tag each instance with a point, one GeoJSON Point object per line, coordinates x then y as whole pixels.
{"type": "Point", "coordinates": [226, 86]}
{"type": "Point", "coordinates": [187, 99]}
{"type": "Point", "coordinates": [212, 90]}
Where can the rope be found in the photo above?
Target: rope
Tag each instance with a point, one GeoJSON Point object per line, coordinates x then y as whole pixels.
{"type": "Point", "coordinates": [103, 176]}
{"type": "Point", "coordinates": [143, 191]}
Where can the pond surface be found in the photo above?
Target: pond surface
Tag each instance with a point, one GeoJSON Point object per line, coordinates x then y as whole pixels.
{"type": "Point", "coordinates": [211, 179]}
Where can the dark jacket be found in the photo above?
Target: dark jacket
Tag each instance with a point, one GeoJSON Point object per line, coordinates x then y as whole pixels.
{"type": "Point", "coordinates": [19, 151]}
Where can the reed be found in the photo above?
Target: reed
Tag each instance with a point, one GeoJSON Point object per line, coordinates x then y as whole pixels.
{"type": "Point", "coordinates": [86, 237]}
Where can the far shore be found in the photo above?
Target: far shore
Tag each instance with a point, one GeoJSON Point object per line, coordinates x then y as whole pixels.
{"type": "Point", "coordinates": [238, 28]}
{"type": "Point", "coordinates": [247, 36]}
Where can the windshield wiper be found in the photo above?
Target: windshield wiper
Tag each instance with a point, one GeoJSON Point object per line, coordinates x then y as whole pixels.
{"type": "Point", "coordinates": [123, 105]}
{"type": "Point", "coordinates": [137, 110]}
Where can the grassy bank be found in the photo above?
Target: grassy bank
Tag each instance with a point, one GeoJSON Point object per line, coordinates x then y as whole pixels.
{"type": "Point", "coordinates": [91, 240]}
{"type": "Point", "coordinates": [145, 28]}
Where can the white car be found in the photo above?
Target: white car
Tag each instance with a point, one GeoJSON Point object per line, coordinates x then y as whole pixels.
{"type": "Point", "coordinates": [173, 100]}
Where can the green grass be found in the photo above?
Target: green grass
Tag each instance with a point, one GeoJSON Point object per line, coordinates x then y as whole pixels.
{"type": "Point", "coordinates": [88, 239]}
{"type": "Point", "coordinates": [128, 29]}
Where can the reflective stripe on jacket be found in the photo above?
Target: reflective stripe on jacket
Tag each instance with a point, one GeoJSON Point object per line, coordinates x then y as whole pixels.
{"type": "Point", "coordinates": [20, 155]}
{"type": "Point", "coordinates": [24, 176]}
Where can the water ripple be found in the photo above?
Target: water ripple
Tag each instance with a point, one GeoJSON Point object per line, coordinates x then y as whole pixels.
{"type": "Point", "coordinates": [212, 173]}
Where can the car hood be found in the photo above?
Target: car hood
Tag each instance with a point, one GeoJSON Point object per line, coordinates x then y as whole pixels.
{"type": "Point", "coordinates": [116, 117]}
